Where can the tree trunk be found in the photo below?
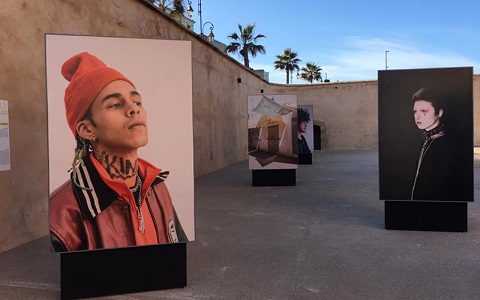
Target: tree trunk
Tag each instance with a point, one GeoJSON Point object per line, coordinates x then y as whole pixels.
{"type": "Point", "coordinates": [288, 76]}
{"type": "Point", "coordinates": [245, 61]}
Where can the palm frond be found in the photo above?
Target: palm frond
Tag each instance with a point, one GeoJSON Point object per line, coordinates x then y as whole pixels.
{"type": "Point", "coordinates": [245, 43]}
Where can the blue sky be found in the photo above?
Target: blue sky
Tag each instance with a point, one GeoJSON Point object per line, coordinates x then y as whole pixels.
{"type": "Point", "coordinates": [348, 39]}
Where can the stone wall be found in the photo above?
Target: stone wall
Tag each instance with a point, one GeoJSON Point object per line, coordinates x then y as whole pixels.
{"type": "Point", "coordinates": [219, 101]}
{"type": "Point", "coordinates": [347, 111]}
{"type": "Point", "coordinates": [476, 109]}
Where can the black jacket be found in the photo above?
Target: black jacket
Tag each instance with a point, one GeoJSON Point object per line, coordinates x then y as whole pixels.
{"type": "Point", "coordinates": [434, 174]}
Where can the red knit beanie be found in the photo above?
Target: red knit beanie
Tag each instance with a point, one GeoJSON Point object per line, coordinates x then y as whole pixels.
{"type": "Point", "coordinates": [88, 76]}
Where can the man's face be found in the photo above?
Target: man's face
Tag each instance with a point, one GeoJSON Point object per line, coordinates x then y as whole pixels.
{"type": "Point", "coordinates": [302, 126]}
{"type": "Point", "coordinates": [121, 120]}
{"type": "Point", "coordinates": [424, 114]}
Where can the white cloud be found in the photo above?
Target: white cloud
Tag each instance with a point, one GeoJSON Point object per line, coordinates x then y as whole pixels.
{"type": "Point", "coordinates": [364, 57]}
{"type": "Point", "coordinates": [360, 58]}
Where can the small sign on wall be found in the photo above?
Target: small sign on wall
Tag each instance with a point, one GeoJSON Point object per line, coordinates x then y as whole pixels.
{"type": "Point", "coordinates": [4, 137]}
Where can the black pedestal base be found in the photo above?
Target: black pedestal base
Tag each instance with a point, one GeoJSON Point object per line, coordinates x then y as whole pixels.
{"type": "Point", "coordinates": [305, 159]}
{"type": "Point", "coordinates": [426, 216]}
{"type": "Point", "coordinates": [286, 177]}
{"type": "Point", "coordinates": [124, 270]}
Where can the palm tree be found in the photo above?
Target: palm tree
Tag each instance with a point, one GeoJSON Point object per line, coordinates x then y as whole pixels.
{"type": "Point", "coordinates": [287, 61]}
{"type": "Point", "coordinates": [245, 43]}
{"type": "Point", "coordinates": [178, 8]}
{"type": "Point", "coordinates": [175, 6]}
{"type": "Point", "coordinates": [311, 72]}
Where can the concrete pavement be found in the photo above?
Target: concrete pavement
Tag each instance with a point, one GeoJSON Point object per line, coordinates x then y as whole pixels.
{"type": "Point", "coordinates": [321, 239]}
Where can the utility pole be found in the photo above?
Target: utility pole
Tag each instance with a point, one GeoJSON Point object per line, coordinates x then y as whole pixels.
{"type": "Point", "coordinates": [386, 62]}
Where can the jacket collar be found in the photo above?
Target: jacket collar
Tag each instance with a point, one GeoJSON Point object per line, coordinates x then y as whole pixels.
{"type": "Point", "coordinates": [94, 194]}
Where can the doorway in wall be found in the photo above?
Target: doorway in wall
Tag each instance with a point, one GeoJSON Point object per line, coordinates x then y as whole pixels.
{"type": "Point", "coordinates": [273, 139]}
{"type": "Point", "coordinates": [317, 137]}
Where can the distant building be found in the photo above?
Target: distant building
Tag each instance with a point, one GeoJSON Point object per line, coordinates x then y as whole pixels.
{"type": "Point", "coordinates": [221, 46]}
{"type": "Point", "coordinates": [263, 74]}
{"type": "Point", "coordinates": [187, 22]}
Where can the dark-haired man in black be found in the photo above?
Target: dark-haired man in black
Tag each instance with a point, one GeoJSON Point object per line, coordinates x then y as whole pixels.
{"type": "Point", "coordinates": [303, 119]}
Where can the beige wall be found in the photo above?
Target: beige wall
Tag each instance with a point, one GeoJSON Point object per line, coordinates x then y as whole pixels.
{"type": "Point", "coordinates": [476, 109]}
{"type": "Point", "coordinates": [219, 102]}
{"type": "Point", "coordinates": [346, 111]}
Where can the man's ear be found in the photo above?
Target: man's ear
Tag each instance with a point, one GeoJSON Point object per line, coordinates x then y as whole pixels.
{"type": "Point", "coordinates": [440, 113]}
{"type": "Point", "coordinates": [85, 130]}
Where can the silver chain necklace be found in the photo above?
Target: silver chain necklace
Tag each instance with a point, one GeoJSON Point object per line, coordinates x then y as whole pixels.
{"type": "Point", "coordinates": [420, 159]}
{"type": "Point", "coordinates": [138, 202]}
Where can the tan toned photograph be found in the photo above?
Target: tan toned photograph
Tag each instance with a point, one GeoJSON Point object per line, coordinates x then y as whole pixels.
{"type": "Point", "coordinates": [120, 142]}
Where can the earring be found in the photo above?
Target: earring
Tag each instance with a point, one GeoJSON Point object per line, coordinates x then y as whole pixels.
{"type": "Point", "coordinates": [94, 139]}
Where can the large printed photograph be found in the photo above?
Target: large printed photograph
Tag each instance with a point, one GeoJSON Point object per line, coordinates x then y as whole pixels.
{"type": "Point", "coordinates": [425, 119]}
{"type": "Point", "coordinates": [120, 142]}
{"type": "Point", "coordinates": [305, 129]}
{"type": "Point", "coordinates": [272, 132]}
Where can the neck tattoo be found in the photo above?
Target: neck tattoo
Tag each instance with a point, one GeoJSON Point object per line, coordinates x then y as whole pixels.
{"type": "Point", "coordinates": [118, 167]}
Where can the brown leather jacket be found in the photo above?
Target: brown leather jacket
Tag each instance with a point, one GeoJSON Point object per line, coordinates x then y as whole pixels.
{"type": "Point", "coordinates": [99, 217]}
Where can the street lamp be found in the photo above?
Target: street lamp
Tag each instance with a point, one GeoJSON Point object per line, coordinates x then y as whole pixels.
{"type": "Point", "coordinates": [190, 9]}
{"type": "Point", "coordinates": [326, 79]}
{"type": "Point", "coordinates": [211, 36]}
{"type": "Point", "coordinates": [386, 64]}
{"type": "Point", "coordinates": [200, 14]}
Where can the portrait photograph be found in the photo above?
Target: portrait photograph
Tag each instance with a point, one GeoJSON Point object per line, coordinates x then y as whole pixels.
{"type": "Point", "coordinates": [305, 129]}
{"type": "Point", "coordinates": [120, 142]}
{"type": "Point", "coordinates": [425, 134]}
{"type": "Point", "coordinates": [272, 132]}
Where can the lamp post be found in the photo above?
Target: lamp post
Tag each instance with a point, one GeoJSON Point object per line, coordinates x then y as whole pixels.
{"type": "Point", "coordinates": [200, 14]}
{"type": "Point", "coordinates": [190, 9]}
{"type": "Point", "coordinates": [326, 79]}
{"type": "Point", "coordinates": [211, 36]}
{"type": "Point", "coordinates": [386, 62]}
{"type": "Point", "coordinates": [296, 76]}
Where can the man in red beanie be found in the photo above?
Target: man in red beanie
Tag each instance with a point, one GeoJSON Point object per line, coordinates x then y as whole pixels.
{"type": "Point", "coordinates": [114, 198]}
